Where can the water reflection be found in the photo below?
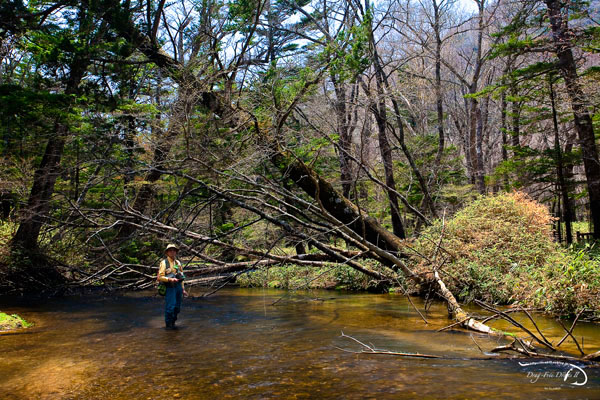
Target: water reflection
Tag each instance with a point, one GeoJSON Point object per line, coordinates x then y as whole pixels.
{"type": "Point", "coordinates": [238, 344]}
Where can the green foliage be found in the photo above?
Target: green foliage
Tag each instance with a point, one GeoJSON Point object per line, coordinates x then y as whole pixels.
{"type": "Point", "coordinates": [287, 87]}
{"type": "Point", "coordinates": [569, 282]}
{"type": "Point", "coordinates": [14, 321]}
{"type": "Point", "coordinates": [142, 250]}
{"type": "Point", "coordinates": [7, 230]}
{"type": "Point", "coordinates": [456, 194]}
{"type": "Point", "coordinates": [513, 45]}
{"type": "Point", "coordinates": [298, 277]}
{"type": "Point", "coordinates": [241, 14]}
{"type": "Point", "coordinates": [25, 113]}
{"type": "Point", "coordinates": [500, 249]}
{"type": "Point", "coordinates": [226, 227]}
{"type": "Point", "coordinates": [15, 100]}
{"type": "Point", "coordinates": [531, 166]}
{"type": "Point", "coordinates": [348, 54]}
{"type": "Point", "coordinates": [450, 174]}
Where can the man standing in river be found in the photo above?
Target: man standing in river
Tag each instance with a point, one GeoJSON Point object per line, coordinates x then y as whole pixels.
{"type": "Point", "coordinates": [170, 272]}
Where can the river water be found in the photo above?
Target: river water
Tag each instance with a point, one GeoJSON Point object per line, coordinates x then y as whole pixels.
{"type": "Point", "coordinates": [238, 344]}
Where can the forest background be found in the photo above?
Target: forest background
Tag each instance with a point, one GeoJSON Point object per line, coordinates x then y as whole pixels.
{"type": "Point", "coordinates": [356, 144]}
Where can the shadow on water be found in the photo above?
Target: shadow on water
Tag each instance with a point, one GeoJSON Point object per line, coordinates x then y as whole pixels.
{"type": "Point", "coordinates": [238, 344]}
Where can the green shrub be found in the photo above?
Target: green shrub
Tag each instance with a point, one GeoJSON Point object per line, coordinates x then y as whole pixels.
{"type": "Point", "coordinates": [569, 282]}
{"type": "Point", "coordinates": [14, 321]}
{"type": "Point", "coordinates": [298, 277]}
{"type": "Point", "coordinates": [500, 249]}
{"type": "Point", "coordinates": [7, 231]}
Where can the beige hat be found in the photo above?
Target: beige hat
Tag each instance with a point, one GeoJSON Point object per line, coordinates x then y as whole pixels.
{"type": "Point", "coordinates": [171, 246]}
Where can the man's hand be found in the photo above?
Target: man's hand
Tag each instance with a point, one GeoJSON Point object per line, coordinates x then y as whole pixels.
{"type": "Point", "coordinates": [174, 280]}
{"type": "Point", "coordinates": [185, 293]}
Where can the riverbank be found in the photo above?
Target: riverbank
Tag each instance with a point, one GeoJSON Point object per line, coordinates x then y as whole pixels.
{"type": "Point", "coordinates": [12, 322]}
{"type": "Point", "coordinates": [499, 249]}
{"type": "Point", "coordinates": [293, 277]}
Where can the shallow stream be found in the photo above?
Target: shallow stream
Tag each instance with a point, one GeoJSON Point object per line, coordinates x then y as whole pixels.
{"type": "Point", "coordinates": [270, 344]}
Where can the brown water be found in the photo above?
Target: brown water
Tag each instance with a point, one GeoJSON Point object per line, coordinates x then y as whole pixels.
{"type": "Point", "coordinates": [237, 345]}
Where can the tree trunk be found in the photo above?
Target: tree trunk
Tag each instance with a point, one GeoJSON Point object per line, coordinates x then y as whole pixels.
{"type": "Point", "coordinates": [129, 143]}
{"type": "Point", "coordinates": [380, 112]}
{"type": "Point", "coordinates": [44, 178]}
{"type": "Point", "coordinates": [439, 105]}
{"type": "Point", "coordinates": [335, 204]}
{"type": "Point", "coordinates": [422, 184]}
{"type": "Point", "coordinates": [146, 191]}
{"type": "Point", "coordinates": [560, 170]}
{"type": "Point", "coordinates": [383, 86]}
{"type": "Point", "coordinates": [388, 167]}
{"type": "Point", "coordinates": [462, 127]}
{"type": "Point", "coordinates": [480, 177]}
{"type": "Point", "coordinates": [515, 117]}
{"type": "Point", "coordinates": [345, 140]}
{"type": "Point", "coordinates": [579, 104]}
{"type": "Point", "coordinates": [569, 206]}
{"type": "Point", "coordinates": [503, 129]}
{"type": "Point", "coordinates": [475, 127]}
{"type": "Point", "coordinates": [473, 113]}
{"type": "Point", "coordinates": [384, 83]}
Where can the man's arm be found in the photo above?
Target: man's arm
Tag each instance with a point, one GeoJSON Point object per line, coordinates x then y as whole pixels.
{"type": "Point", "coordinates": [182, 285]}
{"type": "Point", "coordinates": [162, 268]}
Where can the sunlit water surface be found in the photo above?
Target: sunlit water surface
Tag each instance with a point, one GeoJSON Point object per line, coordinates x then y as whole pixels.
{"type": "Point", "coordinates": [238, 344]}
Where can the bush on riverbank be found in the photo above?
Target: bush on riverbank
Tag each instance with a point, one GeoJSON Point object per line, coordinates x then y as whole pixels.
{"type": "Point", "coordinates": [9, 322]}
{"type": "Point", "coordinates": [500, 249]}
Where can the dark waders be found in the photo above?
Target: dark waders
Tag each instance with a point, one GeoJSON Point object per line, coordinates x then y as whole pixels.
{"type": "Point", "coordinates": [173, 303]}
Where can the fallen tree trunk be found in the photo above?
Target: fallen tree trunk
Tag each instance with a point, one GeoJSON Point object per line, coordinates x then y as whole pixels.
{"type": "Point", "coordinates": [336, 204]}
{"type": "Point", "coordinates": [456, 310]}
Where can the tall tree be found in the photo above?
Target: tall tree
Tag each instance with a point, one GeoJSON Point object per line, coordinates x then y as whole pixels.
{"type": "Point", "coordinates": [379, 109]}
{"type": "Point", "coordinates": [542, 28]}
{"type": "Point", "coordinates": [564, 187]}
{"type": "Point", "coordinates": [558, 15]}
{"type": "Point", "coordinates": [65, 46]}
